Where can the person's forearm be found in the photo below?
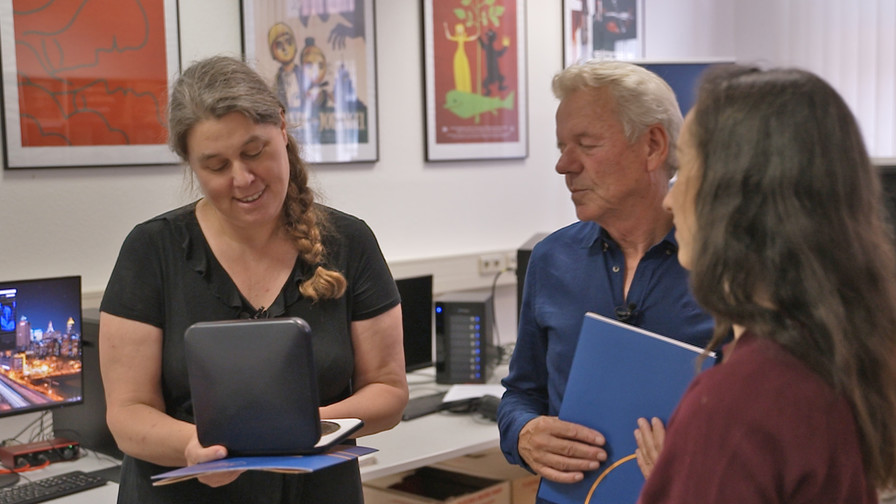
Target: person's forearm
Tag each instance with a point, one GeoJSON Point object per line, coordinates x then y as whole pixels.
{"type": "Point", "coordinates": [148, 434]}
{"type": "Point", "coordinates": [380, 406]}
{"type": "Point", "coordinates": [515, 410]}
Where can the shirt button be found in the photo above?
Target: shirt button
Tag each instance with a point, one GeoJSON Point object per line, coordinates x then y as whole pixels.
{"type": "Point", "coordinates": [668, 252]}
{"type": "Point", "coordinates": [615, 269]}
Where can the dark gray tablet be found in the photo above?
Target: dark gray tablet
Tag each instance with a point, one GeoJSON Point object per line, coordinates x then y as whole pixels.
{"type": "Point", "coordinates": [254, 388]}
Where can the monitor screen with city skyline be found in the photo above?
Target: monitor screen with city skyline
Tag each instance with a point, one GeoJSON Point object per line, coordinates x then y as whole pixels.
{"type": "Point", "coordinates": [40, 344]}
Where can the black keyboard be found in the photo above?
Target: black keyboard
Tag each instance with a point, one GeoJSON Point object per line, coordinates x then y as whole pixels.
{"type": "Point", "coordinates": [50, 488]}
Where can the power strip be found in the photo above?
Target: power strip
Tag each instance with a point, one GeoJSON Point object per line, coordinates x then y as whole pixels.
{"type": "Point", "coordinates": [39, 453]}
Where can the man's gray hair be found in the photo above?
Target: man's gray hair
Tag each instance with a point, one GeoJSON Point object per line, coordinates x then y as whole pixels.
{"type": "Point", "coordinates": [642, 97]}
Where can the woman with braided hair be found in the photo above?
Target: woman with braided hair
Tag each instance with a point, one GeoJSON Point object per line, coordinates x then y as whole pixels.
{"type": "Point", "coordinates": [256, 244]}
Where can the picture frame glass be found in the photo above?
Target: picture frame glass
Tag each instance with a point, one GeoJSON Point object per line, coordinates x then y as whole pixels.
{"type": "Point", "coordinates": [87, 85]}
{"type": "Point", "coordinates": [475, 75]}
{"type": "Point", "coordinates": [320, 59]}
{"type": "Point", "coordinates": [602, 29]}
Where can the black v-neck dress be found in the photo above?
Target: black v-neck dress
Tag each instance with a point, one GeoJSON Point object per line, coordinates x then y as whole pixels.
{"type": "Point", "coordinates": [167, 276]}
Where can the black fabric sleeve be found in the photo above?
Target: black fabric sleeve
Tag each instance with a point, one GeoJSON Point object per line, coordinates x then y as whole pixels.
{"type": "Point", "coordinates": [370, 283]}
{"type": "Point", "coordinates": [135, 289]}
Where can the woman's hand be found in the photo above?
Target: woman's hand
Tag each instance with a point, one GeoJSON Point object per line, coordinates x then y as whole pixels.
{"type": "Point", "coordinates": [650, 437]}
{"type": "Point", "coordinates": [195, 453]}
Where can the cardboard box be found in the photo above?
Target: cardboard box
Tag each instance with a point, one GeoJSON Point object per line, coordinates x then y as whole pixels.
{"type": "Point", "coordinates": [429, 485]}
{"type": "Point", "coordinates": [492, 464]}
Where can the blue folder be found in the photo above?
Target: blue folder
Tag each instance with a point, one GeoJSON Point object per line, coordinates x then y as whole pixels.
{"type": "Point", "coordinates": [620, 373]}
{"type": "Point", "coordinates": [291, 464]}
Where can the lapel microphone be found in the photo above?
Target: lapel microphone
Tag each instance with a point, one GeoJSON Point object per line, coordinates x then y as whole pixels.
{"type": "Point", "coordinates": [627, 313]}
{"type": "Point", "coordinates": [261, 313]}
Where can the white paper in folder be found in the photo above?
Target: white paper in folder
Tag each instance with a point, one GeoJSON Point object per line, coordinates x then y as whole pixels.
{"type": "Point", "coordinates": [472, 391]}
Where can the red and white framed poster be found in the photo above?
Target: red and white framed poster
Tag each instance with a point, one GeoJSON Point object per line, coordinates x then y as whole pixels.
{"type": "Point", "coordinates": [86, 83]}
{"type": "Point", "coordinates": [475, 69]}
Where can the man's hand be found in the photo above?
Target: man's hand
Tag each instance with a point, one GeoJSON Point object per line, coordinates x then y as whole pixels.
{"type": "Point", "coordinates": [650, 437]}
{"type": "Point", "coordinates": [561, 451]}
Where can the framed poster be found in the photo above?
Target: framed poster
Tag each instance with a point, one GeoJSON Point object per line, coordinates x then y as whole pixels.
{"type": "Point", "coordinates": [475, 69]}
{"type": "Point", "coordinates": [604, 29]}
{"type": "Point", "coordinates": [321, 59]}
{"type": "Point", "coordinates": [86, 83]}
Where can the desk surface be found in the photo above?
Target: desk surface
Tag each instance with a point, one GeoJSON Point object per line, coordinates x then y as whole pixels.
{"type": "Point", "coordinates": [426, 440]}
{"type": "Point", "coordinates": [88, 462]}
{"type": "Point", "coordinates": [411, 444]}
{"type": "Point", "coordinates": [430, 438]}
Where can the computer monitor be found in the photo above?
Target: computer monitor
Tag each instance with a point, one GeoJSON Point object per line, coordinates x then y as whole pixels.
{"type": "Point", "coordinates": [683, 77]}
{"type": "Point", "coordinates": [40, 344]}
{"type": "Point", "coordinates": [416, 320]}
{"type": "Point", "coordinates": [86, 422]}
{"type": "Point", "coordinates": [888, 180]}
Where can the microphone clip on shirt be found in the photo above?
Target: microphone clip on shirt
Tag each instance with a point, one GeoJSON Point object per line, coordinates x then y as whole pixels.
{"type": "Point", "coordinates": [627, 313]}
{"type": "Point", "coordinates": [260, 313]}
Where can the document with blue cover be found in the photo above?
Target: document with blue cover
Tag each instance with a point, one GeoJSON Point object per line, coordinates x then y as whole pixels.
{"type": "Point", "coordinates": [620, 373]}
{"type": "Point", "coordinates": [282, 463]}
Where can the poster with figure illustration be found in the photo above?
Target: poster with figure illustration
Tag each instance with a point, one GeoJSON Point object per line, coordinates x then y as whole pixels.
{"type": "Point", "coordinates": [319, 56]}
{"type": "Point", "coordinates": [475, 69]}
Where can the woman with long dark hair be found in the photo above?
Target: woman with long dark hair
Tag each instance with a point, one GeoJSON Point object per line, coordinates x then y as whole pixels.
{"type": "Point", "coordinates": [779, 217]}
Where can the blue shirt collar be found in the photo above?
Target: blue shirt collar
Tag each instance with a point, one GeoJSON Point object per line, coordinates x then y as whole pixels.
{"type": "Point", "coordinates": [597, 235]}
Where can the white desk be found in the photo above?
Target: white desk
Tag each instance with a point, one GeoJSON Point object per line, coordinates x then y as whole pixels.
{"type": "Point", "coordinates": [87, 463]}
{"type": "Point", "coordinates": [428, 439]}
{"type": "Point", "coordinates": [411, 444]}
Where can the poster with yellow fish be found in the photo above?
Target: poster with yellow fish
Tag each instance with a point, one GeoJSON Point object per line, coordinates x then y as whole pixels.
{"type": "Point", "coordinates": [475, 65]}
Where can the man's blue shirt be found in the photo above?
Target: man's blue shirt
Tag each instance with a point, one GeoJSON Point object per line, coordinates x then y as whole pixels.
{"type": "Point", "coordinates": [572, 271]}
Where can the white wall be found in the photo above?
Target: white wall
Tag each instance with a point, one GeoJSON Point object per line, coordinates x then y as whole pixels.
{"type": "Point", "coordinates": [72, 221]}
{"type": "Point", "coordinates": [852, 45]}
{"type": "Point", "coordinates": [689, 29]}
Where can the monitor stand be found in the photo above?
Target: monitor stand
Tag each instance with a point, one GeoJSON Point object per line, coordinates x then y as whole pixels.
{"type": "Point", "coordinates": [8, 479]}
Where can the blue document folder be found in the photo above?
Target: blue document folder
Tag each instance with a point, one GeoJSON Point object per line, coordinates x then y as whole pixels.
{"type": "Point", "coordinates": [620, 373]}
{"type": "Point", "coordinates": [280, 463]}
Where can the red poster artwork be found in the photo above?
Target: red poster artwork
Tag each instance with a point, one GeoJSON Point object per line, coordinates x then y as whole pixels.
{"type": "Point", "coordinates": [476, 71]}
{"type": "Point", "coordinates": [91, 72]}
